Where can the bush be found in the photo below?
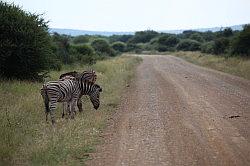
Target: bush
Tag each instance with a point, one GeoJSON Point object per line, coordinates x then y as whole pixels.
{"type": "Point", "coordinates": [167, 43]}
{"type": "Point", "coordinates": [208, 47]}
{"type": "Point", "coordinates": [81, 39]}
{"type": "Point", "coordinates": [25, 44]}
{"type": "Point", "coordinates": [143, 36]}
{"type": "Point", "coordinates": [221, 45]}
{"type": "Point", "coordinates": [188, 45]}
{"type": "Point", "coordinates": [241, 45]}
{"type": "Point", "coordinates": [197, 37]}
{"type": "Point", "coordinates": [62, 47]}
{"type": "Point", "coordinates": [102, 47]}
{"type": "Point", "coordinates": [119, 46]}
{"type": "Point", "coordinates": [85, 54]}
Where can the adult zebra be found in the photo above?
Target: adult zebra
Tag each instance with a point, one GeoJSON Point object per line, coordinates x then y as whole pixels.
{"type": "Point", "coordinates": [89, 75]}
{"type": "Point", "coordinates": [68, 91]}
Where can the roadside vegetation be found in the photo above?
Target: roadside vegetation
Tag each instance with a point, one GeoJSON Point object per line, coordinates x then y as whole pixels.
{"type": "Point", "coordinates": [26, 138]}
{"type": "Point", "coordinates": [239, 66]}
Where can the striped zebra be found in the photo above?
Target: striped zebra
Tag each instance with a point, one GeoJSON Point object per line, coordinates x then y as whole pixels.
{"type": "Point", "coordinates": [89, 75]}
{"type": "Point", "coordinates": [68, 91]}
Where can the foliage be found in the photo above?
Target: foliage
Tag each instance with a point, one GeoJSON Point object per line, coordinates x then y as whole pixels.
{"type": "Point", "coordinates": [208, 47]}
{"type": "Point", "coordinates": [188, 45]}
{"type": "Point", "coordinates": [197, 37]}
{"type": "Point", "coordinates": [85, 54]}
{"type": "Point", "coordinates": [102, 47]}
{"type": "Point", "coordinates": [25, 45]}
{"type": "Point", "coordinates": [62, 46]}
{"type": "Point", "coordinates": [143, 36]}
{"type": "Point", "coordinates": [119, 46]}
{"type": "Point", "coordinates": [221, 45]}
{"type": "Point", "coordinates": [241, 44]}
{"type": "Point", "coordinates": [81, 39]}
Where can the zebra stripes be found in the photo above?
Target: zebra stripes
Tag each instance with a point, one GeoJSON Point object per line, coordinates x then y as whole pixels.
{"type": "Point", "coordinates": [68, 91]}
{"type": "Point", "coordinates": [89, 75]}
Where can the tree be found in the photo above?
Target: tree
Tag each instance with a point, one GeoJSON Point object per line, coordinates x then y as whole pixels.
{"type": "Point", "coordinates": [241, 44]}
{"type": "Point", "coordinates": [221, 45]}
{"type": "Point", "coordinates": [81, 39]}
{"type": "Point", "coordinates": [63, 46]}
{"type": "Point", "coordinates": [119, 46]}
{"type": "Point", "coordinates": [197, 37]}
{"type": "Point", "coordinates": [208, 47]}
{"type": "Point", "coordinates": [143, 36]}
{"type": "Point", "coordinates": [102, 47]}
{"type": "Point", "coordinates": [85, 54]}
{"type": "Point", "coordinates": [188, 45]}
{"type": "Point", "coordinates": [25, 44]}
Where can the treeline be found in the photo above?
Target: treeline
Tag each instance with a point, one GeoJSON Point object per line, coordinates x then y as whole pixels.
{"type": "Point", "coordinates": [29, 51]}
{"type": "Point", "coordinates": [224, 42]}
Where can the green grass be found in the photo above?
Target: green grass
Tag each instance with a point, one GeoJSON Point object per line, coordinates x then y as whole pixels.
{"type": "Point", "coordinates": [238, 66]}
{"type": "Point", "coordinates": [25, 137]}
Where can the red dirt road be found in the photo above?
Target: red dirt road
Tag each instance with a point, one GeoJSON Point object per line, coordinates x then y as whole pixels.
{"type": "Point", "coordinates": [177, 113]}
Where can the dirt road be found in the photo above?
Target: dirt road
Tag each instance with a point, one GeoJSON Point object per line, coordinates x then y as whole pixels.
{"type": "Point", "coordinates": [177, 113]}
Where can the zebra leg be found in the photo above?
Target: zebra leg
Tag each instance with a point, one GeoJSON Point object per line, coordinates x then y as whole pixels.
{"type": "Point", "coordinates": [52, 107]}
{"type": "Point", "coordinates": [65, 109]}
{"type": "Point", "coordinates": [72, 107]}
{"type": "Point", "coordinates": [79, 105]}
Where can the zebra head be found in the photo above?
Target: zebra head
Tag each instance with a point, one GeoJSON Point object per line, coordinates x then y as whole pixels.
{"type": "Point", "coordinates": [95, 96]}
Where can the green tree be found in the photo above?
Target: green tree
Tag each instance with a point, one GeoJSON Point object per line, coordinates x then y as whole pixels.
{"type": "Point", "coordinates": [197, 36]}
{"type": "Point", "coordinates": [62, 47]}
{"type": "Point", "coordinates": [119, 46]}
{"type": "Point", "coordinates": [85, 54]}
{"type": "Point", "coordinates": [102, 47]}
{"type": "Point", "coordinates": [81, 39]}
{"type": "Point", "coordinates": [221, 45]}
{"type": "Point", "coordinates": [241, 44]}
{"type": "Point", "coordinates": [188, 45]}
{"type": "Point", "coordinates": [143, 36]}
{"type": "Point", "coordinates": [25, 44]}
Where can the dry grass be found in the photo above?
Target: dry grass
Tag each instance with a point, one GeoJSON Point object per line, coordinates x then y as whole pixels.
{"type": "Point", "coordinates": [233, 65]}
{"type": "Point", "coordinates": [25, 137]}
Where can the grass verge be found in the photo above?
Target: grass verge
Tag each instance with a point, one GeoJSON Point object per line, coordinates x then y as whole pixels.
{"type": "Point", "coordinates": [238, 66]}
{"type": "Point", "coordinates": [25, 137]}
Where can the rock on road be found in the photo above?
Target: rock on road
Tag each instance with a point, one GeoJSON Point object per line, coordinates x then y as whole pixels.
{"type": "Point", "coordinates": [177, 113]}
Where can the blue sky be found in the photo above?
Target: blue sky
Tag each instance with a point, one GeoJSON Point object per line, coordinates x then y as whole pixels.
{"type": "Point", "coordinates": [134, 15]}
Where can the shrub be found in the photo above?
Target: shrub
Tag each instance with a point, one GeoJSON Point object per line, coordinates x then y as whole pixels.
{"type": "Point", "coordinates": [85, 54]}
{"type": "Point", "coordinates": [167, 40]}
{"type": "Point", "coordinates": [102, 47]}
{"type": "Point", "coordinates": [62, 47]}
{"type": "Point", "coordinates": [241, 44]}
{"type": "Point", "coordinates": [197, 37]}
{"type": "Point", "coordinates": [208, 47]}
{"type": "Point", "coordinates": [221, 45]}
{"type": "Point", "coordinates": [188, 45]}
{"type": "Point", "coordinates": [81, 39]}
{"type": "Point", "coordinates": [143, 36]}
{"type": "Point", "coordinates": [25, 44]}
{"type": "Point", "coordinates": [119, 46]}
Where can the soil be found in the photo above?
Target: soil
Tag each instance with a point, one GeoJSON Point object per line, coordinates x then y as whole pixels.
{"type": "Point", "coordinates": [177, 113]}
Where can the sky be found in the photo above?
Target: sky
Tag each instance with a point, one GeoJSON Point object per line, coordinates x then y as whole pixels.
{"type": "Point", "coordinates": [135, 15]}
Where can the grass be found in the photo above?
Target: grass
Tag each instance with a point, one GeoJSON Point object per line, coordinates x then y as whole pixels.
{"type": "Point", "coordinates": [25, 137]}
{"type": "Point", "coordinates": [238, 66]}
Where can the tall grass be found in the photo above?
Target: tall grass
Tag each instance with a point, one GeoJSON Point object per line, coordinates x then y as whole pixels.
{"type": "Point", "coordinates": [25, 137]}
{"type": "Point", "coordinates": [238, 66]}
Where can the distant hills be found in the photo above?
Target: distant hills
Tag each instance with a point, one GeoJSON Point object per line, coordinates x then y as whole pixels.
{"type": "Point", "coordinates": [74, 32]}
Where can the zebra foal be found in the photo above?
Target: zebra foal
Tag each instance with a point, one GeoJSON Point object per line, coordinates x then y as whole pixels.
{"type": "Point", "coordinates": [89, 75]}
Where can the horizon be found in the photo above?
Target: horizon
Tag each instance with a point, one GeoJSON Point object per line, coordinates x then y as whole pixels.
{"type": "Point", "coordinates": [132, 16]}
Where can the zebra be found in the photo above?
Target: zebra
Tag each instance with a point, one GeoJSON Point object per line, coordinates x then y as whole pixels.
{"type": "Point", "coordinates": [68, 91]}
{"type": "Point", "coordinates": [89, 75]}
